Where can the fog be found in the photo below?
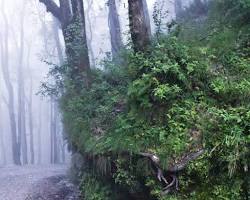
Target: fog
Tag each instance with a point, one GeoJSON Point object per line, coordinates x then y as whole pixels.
{"type": "Point", "coordinates": [32, 119]}
{"type": "Point", "coordinates": [33, 144]}
{"type": "Point", "coordinates": [30, 128]}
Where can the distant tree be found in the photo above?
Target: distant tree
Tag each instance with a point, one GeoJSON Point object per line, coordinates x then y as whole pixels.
{"type": "Point", "coordinates": [54, 150]}
{"type": "Point", "coordinates": [90, 35]}
{"type": "Point", "coordinates": [178, 8]}
{"type": "Point", "coordinates": [57, 41]}
{"type": "Point", "coordinates": [2, 144]}
{"type": "Point", "coordinates": [21, 94]}
{"type": "Point", "coordinates": [4, 47]}
{"type": "Point", "coordinates": [114, 28]}
{"type": "Point", "coordinates": [39, 132]}
{"type": "Point", "coordinates": [201, 7]}
{"type": "Point", "coordinates": [147, 15]}
{"type": "Point", "coordinates": [30, 111]}
{"type": "Point", "coordinates": [197, 9]}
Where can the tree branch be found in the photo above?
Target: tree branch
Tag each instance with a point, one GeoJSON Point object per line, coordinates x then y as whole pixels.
{"type": "Point", "coordinates": [53, 8]}
{"type": "Point", "coordinates": [190, 157]}
{"type": "Point", "coordinates": [177, 167]}
{"type": "Point", "coordinates": [171, 170]}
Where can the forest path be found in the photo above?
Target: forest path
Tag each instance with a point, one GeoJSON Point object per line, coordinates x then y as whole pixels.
{"type": "Point", "coordinates": [36, 183]}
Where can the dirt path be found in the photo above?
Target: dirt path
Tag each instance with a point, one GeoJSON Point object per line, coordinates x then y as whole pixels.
{"type": "Point", "coordinates": [36, 183]}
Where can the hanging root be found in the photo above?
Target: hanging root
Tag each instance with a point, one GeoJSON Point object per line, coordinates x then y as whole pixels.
{"type": "Point", "coordinates": [161, 176]}
{"type": "Point", "coordinates": [174, 182]}
{"type": "Point", "coordinates": [171, 170]}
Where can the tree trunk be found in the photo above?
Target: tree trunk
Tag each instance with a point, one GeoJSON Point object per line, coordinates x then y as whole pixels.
{"type": "Point", "coordinates": [140, 33]}
{"type": "Point", "coordinates": [57, 41]}
{"type": "Point", "coordinates": [30, 113]}
{"type": "Point", "coordinates": [4, 46]}
{"type": "Point", "coordinates": [31, 128]}
{"type": "Point", "coordinates": [39, 131]}
{"type": "Point", "coordinates": [63, 152]}
{"type": "Point", "coordinates": [55, 133]}
{"type": "Point", "coordinates": [72, 19]}
{"type": "Point", "coordinates": [90, 36]}
{"type": "Point", "coordinates": [147, 16]}
{"type": "Point", "coordinates": [55, 116]}
{"type": "Point", "coordinates": [2, 144]}
{"type": "Point", "coordinates": [178, 9]}
{"type": "Point", "coordinates": [22, 139]}
{"type": "Point", "coordinates": [114, 28]}
{"type": "Point", "coordinates": [51, 132]}
{"type": "Point", "coordinates": [54, 158]}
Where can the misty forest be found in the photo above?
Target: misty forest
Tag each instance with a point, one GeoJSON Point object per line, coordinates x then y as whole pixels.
{"type": "Point", "coordinates": [124, 99]}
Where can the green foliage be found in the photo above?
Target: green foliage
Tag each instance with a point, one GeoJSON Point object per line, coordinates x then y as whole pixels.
{"type": "Point", "coordinates": [123, 176]}
{"type": "Point", "coordinates": [168, 74]}
{"type": "Point", "coordinates": [93, 190]}
{"type": "Point", "coordinates": [188, 92]}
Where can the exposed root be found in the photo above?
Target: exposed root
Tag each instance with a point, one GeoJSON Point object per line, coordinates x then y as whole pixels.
{"type": "Point", "coordinates": [167, 189]}
{"type": "Point", "coordinates": [171, 170]}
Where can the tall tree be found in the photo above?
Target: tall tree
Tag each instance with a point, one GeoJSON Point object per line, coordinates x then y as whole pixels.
{"type": "Point", "coordinates": [57, 41]}
{"type": "Point", "coordinates": [4, 47]}
{"type": "Point", "coordinates": [39, 132]}
{"type": "Point", "coordinates": [140, 33]}
{"type": "Point", "coordinates": [30, 111]}
{"type": "Point", "coordinates": [54, 151]}
{"type": "Point", "coordinates": [2, 144]}
{"type": "Point", "coordinates": [90, 36]}
{"type": "Point", "coordinates": [178, 8]}
{"type": "Point", "coordinates": [52, 131]}
{"type": "Point", "coordinates": [147, 15]}
{"type": "Point", "coordinates": [114, 28]}
{"type": "Point", "coordinates": [31, 127]}
{"type": "Point", "coordinates": [55, 119]}
{"type": "Point", "coordinates": [21, 94]}
{"type": "Point", "coordinates": [71, 16]}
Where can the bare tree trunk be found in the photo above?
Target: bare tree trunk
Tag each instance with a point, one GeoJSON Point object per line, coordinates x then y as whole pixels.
{"type": "Point", "coordinates": [61, 141]}
{"type": "Point", "coordinates": [90, 36]}
{"type": "Point", "coordinates": [147, 16]}
{"type": "Point", "coordinates": [114, 29]}
{"type": "Point", "coordinates": [39, 131]}
{"type": "Point", "coordinates": [31, 127]}
{"type": "Point", "coordinates": [56, 121]}
{"type": "Point", "coordinates": [63, 155]}
{"type": "Point", "coordinates": [21, 102]}
{"type": "Point", "coordinates": [55, 133]}
{"type": "Point", "coordinates": [57, 41]}
{"type": "Point", "coordinates": [22, 139]}
{"type": "Point", "coordinates": [2, 144]}
{"type": "Point", "coordinates": [30, 110]}
{"type": "Point", "coordinates": [51, 131]}
{"type": "Point", "coordinates": [138, 25]}
{"type": "Point", "coordinates": [63, 148]}
{"type": "Point", "coordinates": [4, 46]}
{"type": "Point", "coordinates": [178, 8]}
{"type": "Point", "coordinates": [3, 153]}
{"type": "Point", "coordinates": [44, 31]}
